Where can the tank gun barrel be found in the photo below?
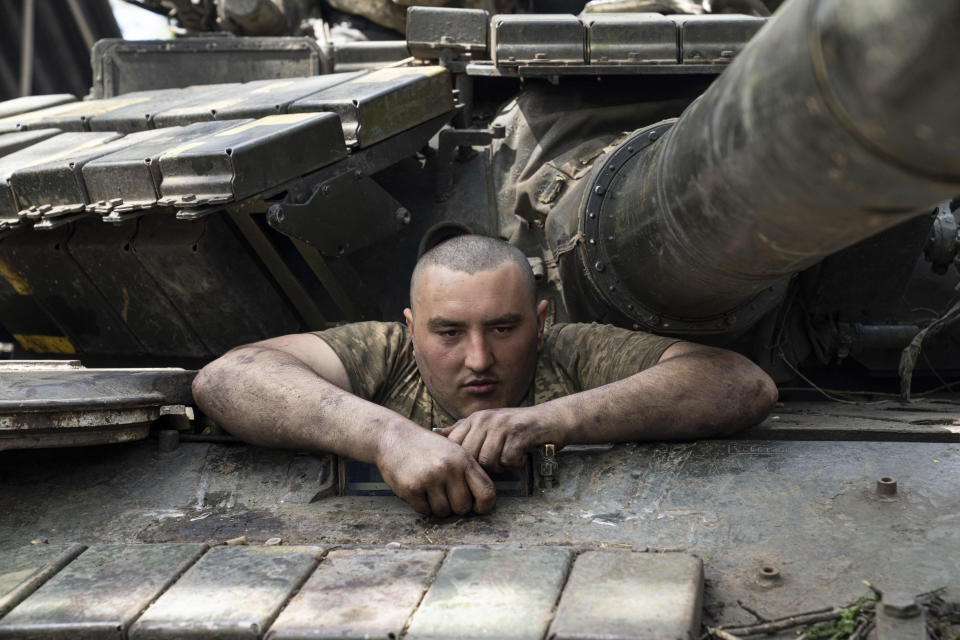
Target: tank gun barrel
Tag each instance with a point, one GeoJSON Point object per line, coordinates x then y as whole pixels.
{"type": "Point", "coordinates": [837, 121]}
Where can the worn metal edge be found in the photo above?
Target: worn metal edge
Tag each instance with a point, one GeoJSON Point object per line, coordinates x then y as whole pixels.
{"type": "Point", "coordinates": [36, 579]}
{"type": "Point", "coordinates": [180, 569]}
{"type": "Point", "coordinates": [318, 557]}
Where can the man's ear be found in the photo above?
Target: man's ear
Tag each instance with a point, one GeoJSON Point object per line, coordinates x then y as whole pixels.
{"type": "Point", "coordinates": [541, 321]}
{"type": "Point", "coordinates": [408, 316]}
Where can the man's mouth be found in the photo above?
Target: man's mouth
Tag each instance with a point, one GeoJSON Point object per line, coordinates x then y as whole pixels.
{"type": "Point", "coordinates": [479, 386]}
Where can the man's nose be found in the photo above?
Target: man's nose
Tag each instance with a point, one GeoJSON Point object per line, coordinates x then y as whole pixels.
{"type": "Point", "coordinates": [479, 356]}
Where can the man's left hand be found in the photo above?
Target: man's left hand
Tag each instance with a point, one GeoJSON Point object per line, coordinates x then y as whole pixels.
{"type": "Point", "coordinates": [500, 438]}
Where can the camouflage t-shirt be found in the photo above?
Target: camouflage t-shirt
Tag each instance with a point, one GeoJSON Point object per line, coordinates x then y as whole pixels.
{"type": "Point", "coordinates": [379, 360]}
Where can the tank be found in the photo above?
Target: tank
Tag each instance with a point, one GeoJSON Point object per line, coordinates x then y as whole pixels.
{"type": "Point", "coordinates": [782, 186]}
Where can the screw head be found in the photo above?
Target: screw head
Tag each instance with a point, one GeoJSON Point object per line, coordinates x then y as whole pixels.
{"type": "Point", "coordinates": [900, 605]}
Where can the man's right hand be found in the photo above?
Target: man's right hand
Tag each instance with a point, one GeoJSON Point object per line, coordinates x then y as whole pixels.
{"type": "Point", "coordinates": [432, 474]}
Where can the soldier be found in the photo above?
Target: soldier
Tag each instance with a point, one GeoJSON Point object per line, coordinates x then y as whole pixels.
{"type": "Point", "coordinates": [474, 359]}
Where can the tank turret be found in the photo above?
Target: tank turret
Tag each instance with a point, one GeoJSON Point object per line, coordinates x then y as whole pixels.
{"type": "Point", "coordinates": [835, 123]}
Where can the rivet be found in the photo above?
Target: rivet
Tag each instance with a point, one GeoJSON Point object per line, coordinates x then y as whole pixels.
{"type": "Point", "coordinates": [653, 135]}
{"type": "Point", "coordinates": [629, 149]}
{"type": "Point", "coordinates": [886, 486]}
{"type": "Point", "coordinates": [630, 307]}
{"type": "Point", "coordinates": [591, 215]}
{"type": "Point", "coordinates": [599, 266]}
{"type": "Point", "coordinates": [768, 576]}
{"type": "Point", "coordinates": [599, 190]}
{"type": "Point", "coordinates": [611, 288]}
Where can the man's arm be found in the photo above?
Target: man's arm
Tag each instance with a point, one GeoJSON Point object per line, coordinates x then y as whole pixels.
{"type": "Point", "coordinates": [692, 392]}
{"type": "Point", "coordinates": [294, 392]}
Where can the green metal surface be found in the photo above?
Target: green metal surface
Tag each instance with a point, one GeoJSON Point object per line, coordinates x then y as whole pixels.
{"type": "Point", "coordinates": [482, 593]}
{"type": "Point", "coordinates": [358, 593]}
{"type": "Point", "coordinates": [231, 592]}
{"type": "Point", "coordinates": [100, 594]}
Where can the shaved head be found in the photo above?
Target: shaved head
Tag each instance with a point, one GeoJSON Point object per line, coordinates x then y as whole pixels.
{"type": "Point", "coordinates": [470, 254]}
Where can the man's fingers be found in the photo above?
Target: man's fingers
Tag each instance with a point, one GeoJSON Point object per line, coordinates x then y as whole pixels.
{"type": "Point", "coordinates": [473, 441]}
{"type": "Point", "coordinates": [457, 432]}
{"type": "Point", "coordinates": [459, 497]}
{"type": "Point", "coordinates": [491, 451]}
{"type": "Point", "coordinates": [419, 503]}
{"type": "Point", "coordinates": [513, 453]}
{"type": "Point", "coordinates": [481, 486]}
{"type": "Point", "coordinates": [438, 501]}
{"type": "Point", "coordinates": [445, 431]}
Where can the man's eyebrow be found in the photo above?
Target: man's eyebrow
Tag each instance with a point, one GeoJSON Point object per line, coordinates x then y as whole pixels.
{"type": "Point", "coordinates": [509, 318]}
{"type": "Point", "coordinates": [439, 323]}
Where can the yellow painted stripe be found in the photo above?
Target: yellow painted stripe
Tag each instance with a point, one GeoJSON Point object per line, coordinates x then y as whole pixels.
{"type": "Point", "coordinates": [273, 86]}
{"type": "Point", "coordinates": [268, 121]}
{"type": "Point", "coordinates": [397, 73]}
{"type": "Point", "coordinates": [45, 344]}
{"type": "Point", "coordinates": [8, 273]}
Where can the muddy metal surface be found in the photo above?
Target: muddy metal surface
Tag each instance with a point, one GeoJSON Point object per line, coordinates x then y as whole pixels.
{"type": "Point", "coordinates": [779, 498]}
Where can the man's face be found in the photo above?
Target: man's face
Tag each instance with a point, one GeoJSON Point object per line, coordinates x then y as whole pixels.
{"type": "Point", "coordinates": [475, 336]}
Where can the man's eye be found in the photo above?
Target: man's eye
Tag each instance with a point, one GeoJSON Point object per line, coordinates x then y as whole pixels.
{"type": "Point", "coordinates": [450, 333]}
{"type": "Point", "coordinates": [503, 330]}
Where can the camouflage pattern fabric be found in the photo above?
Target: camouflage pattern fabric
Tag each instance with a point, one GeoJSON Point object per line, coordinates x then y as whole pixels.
{"type": "Point", "coordinates": [379, 360]}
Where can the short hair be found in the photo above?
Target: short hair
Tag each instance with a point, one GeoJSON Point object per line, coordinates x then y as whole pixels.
{"type": "Point", "coordinates": [469, 253]}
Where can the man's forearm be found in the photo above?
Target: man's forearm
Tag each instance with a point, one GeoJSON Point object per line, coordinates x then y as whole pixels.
{"type": "Point", "coordinates": [269, 397]}
{"type": "Point", "coordinates": [698, 394]}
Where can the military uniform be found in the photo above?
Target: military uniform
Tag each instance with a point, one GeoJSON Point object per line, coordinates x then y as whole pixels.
{"type": "Point", "coordinates": [379, 360]}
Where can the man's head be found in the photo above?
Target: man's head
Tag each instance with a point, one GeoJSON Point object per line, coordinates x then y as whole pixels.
{"type": "Point", "coordinates": [475, 323]}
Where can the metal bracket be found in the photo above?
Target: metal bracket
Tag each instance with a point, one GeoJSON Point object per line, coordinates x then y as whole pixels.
{"type": "Point", "coordinates": [545, 465]}
{"type": "Point", "coordinates": [343, 214]}
{"type": "Point", "coordinates": [450, 140]}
